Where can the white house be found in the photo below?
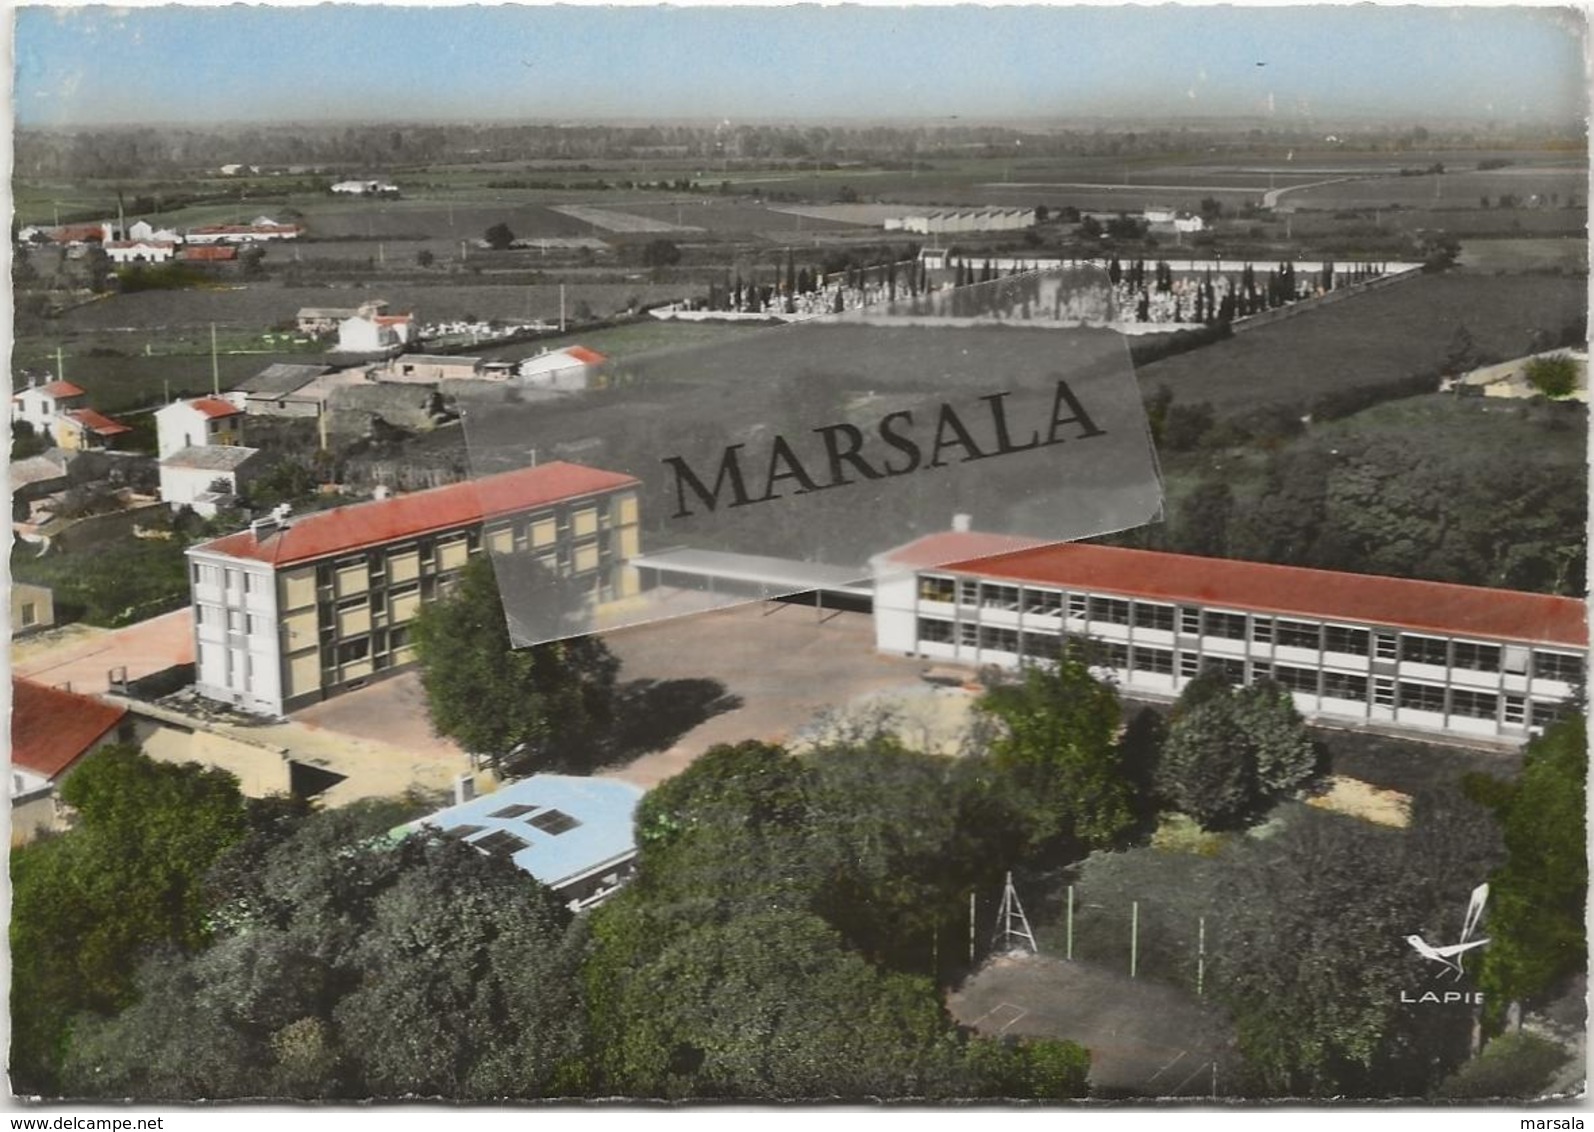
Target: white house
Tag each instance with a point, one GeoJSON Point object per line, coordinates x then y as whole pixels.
{"type": "Point", "coordinates": [144, 230]}
{"type": "Point", "coordinates": [374, 333]}
{"type": "Point", "coordinates": [42, 405]}
{"type": "Point", "coordinates": [569, 369]}
{"type": "Point", "coordinates": [140, 251]}
{"type": "Point", "coordinates": [364, 188]}
{"type": "Point", "coordinates": [207, 478]}
{"type": "Point", "coordinates": [198, 423]}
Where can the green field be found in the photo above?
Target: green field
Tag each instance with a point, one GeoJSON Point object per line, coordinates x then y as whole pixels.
{"type": "Point", "coordinates": [1374, 337]}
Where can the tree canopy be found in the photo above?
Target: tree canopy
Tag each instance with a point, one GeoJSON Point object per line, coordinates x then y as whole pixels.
{"type": "Point", "coordinates": [346, 965]}
{"type": "Point", "coordinates": [86, 904]}
{"type": "Point", "coordinates": [1538, 897]}
{"type": "Point", "coordinates": [1310, 953]}
{"type": "Point", "coordinates": [778, 938]}
{"type": "Point", "coordinates": [1231, 753]}
{"type": "Point", "coordinates": [499, 236]}
{"type": "Point", "coordinates": [1055, 740]}
{"type": "Point", "coordinates": [538, 707]}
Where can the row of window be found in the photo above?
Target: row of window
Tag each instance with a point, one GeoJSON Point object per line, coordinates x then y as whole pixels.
{"type": "Point", "coordinates": [1410, 647]}
{"type": "Point", "coordinates": [1331, 685]}
{"type": "Point", "coordinates": [233, 620]}
{"type": "Point", "coordinates": [349, 652]}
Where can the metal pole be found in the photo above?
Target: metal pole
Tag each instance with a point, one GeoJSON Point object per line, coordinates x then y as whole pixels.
{"type": "Point", "coordinates": [1134, 937]}
{"type": "Point", "coordinates": [1201, 957]}
{"type": "Point", "coordinates": [1070, 951]}
{"type": "Point", "coordinates": [971, 929]}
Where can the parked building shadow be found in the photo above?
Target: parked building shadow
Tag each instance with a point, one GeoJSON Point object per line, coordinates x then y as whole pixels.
{"type": "Point", "coordinates": [653, 715]}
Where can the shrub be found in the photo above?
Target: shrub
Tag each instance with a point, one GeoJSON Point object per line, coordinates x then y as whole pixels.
{"type": "Point", "coordinates": [1554, 376]}
{"type": "Point", "coordinates": [1517, 1066]}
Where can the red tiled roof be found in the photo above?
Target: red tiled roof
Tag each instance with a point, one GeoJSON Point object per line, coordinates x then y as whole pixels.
{"type": "Point", "coordinates": [586, 356]}
{"type": "Point", "coordinates": [59, 390]}
{"type": "Point", "coordinates": [214, 407]}
{"type": "Point", "coordinates": [51, 728]}
{"type": "Point", "coordinates": [346, 529]}
{"type": "Point", "coordinates": [1435, 607]}
{"type": "Point", "coordinates": [98, 423]}
{"type": "Point", "coordinates": [69, 233]}
{"type": "Point", "coordinates": [211, 251]}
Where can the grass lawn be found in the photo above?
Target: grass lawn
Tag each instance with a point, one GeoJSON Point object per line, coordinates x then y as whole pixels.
{"type": "Point", "coordinates": [1373, 337]}
{"type": "Point", "coordinates": [636, 338]}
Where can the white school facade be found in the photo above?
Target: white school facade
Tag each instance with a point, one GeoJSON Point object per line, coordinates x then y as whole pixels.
{"type": "Point", "coordinates": [1355, 649]}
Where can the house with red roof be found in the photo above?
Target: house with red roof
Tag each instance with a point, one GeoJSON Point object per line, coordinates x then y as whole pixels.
{"type": "Point", "coordinates": [41, 404]}
{"type": "Point", "coordinates": [297, 609]}
{"type": "Point", "coordinates": [198, 422]}
{"type": "Point", "coordinates": [209, 253]}
{"type": "Point", "coordinates": [86, 429]}
{"type": "Point", "coordinates": [52, 731]}
{"type": "Point", "coordinates": [570, 369]}
{"type": "Point", "coordinates": [204, 463]}
{"type": "Point", "coordinates": [1354, 650]}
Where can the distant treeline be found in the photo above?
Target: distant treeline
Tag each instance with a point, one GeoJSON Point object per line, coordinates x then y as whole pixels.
{"type": "Point", "coordinates": [392, 148]}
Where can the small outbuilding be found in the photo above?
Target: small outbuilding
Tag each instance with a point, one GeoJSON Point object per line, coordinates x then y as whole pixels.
{"type": "Point", "coordinates": [575, 835]}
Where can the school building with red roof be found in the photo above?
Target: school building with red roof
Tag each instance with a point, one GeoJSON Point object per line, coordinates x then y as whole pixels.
{"type": "Point", "coordinates": [297, 609]}
{"type": "Point", "coordinates": [1352, 648]}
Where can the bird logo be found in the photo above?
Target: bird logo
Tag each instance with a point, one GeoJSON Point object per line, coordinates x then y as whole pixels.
{"type": "Point", "coordinates": [1450, 956]}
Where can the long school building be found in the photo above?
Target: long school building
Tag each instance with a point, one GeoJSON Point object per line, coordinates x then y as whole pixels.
{"type": "Point", "coordinates": [1351, 648]}
{"type": "Point", "coordinates": [289, 613]}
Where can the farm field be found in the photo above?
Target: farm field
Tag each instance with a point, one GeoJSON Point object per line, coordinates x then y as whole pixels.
{"type": "Point", "coordinates": [1464, 187]}
{"type": "Point", "coordinates": [1566, 253]}
{"type": "Point", "coordinates": [632, 339]}
{"type": "Point", "coordinates": [628, 223]}
{"type": "Point", "coordinates": [724, 216]}
{"type": "Point", "coordinates": [1381, 336]}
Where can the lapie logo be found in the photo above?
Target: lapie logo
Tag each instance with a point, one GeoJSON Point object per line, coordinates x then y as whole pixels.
{"type": "Point", "coordinates": [1450, 956]}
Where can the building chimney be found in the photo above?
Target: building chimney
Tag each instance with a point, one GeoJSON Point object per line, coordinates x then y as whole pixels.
{"type": "Point", "coordinates": [464, 789]}
{"type": "Point", "coordinates": [962, 522]}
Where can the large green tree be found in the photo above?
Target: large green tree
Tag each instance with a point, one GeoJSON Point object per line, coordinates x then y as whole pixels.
{"type": "Point", "coordinates": [1310, 955]}
{"type": "Point", "coordinates": [87, 903]}
{"type": "Point", "coordinates": [543, 706]}
{"type": "Point", "coordinates": [1538, 897]}
{"type": "Point", "coordinates": [346, 965]}
{"type": "Point", "coordinates": [1231, 753]}
{"type": "Point", "coordinates": [1055, 739]}
{"type": "Point", "coordinates": [775, 940]}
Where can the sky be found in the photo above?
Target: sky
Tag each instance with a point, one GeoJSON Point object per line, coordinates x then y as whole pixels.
{"type": "Point", "coordinates": [98, 65]}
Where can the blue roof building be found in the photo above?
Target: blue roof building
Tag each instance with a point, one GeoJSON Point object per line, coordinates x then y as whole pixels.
{"type": "Point", "coordinates": [575, 835]}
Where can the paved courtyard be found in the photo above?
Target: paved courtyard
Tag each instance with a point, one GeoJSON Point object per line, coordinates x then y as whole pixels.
{"type": "Point", "coordinates": [84, 657]}
{"type": "Point", "coordinates": [760, 671]}
{"type": "Point", "coordinates": [779, 664]}
{"type": "Point", "coordinates": [785, 663]}
{"type": "Point", "coordinates": [1145, 1039]}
